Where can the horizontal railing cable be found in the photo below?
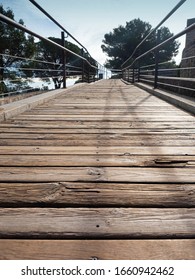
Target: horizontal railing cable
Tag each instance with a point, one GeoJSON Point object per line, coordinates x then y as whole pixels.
{"type": "Point", "coordinates": [190, 57]}
{"type": "Point", "coordinates": [153, 30]}
{"type": "Point", "coordinates": [175, 86]}
{"type": "Point", "coordinates": [186, 30]}
{"type": "Point", "coordinates": [29, 59]}
{"type": "Point", "coordinates": [152, 65]}
{"type": "Point", "coordinates": [60, 26]}
{"type": "Point", "coordinates": [57, 23]}
{"type": "Point", "coordinates": [7, 20]}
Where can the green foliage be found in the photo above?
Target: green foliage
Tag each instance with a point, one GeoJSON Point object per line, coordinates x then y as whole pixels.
{"type": "Point", "coordinates": [122, 41]}
{"type": "Point", "coordinates": [51, 53]}
{"type": "Point", "coordinates": [13, 42]}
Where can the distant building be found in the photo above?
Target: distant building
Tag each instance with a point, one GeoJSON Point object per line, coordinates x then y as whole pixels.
{"type": "Point", "coordinates": [188, 56]}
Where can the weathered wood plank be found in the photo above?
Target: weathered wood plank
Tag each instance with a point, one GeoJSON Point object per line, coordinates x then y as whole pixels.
{"type": "Point", "coordinates": [99, 150]}
{"type": "Point", "coordinates": [97, 222]}
{"type": "Point", "coordinates": [97, 160]}
{"type": "Point", "coordinates": [129, 131]}
{"type": "Point", "coordinates": [63, 109]}
{"type": "Point", "coordinates": [97, 249]}
{"type": "Point", "coordinates": [105, 174]}
{"type": "Point", "coordinates": [98, 136]}
{"type": "Point", "coordinates": [101, 124]}
{"type": "Point", "coordinates": [103, 102]}
{"type": "Point", "coordinates": [97, 194]}
{"type": "Point", "coordinates": [100, 141]}
{"type": "Point", "coordinates": [118, 118]}
{"type": "Point", "coordinates": [105, 113]}
{"type": "Point", "coordinates": [75, 102]}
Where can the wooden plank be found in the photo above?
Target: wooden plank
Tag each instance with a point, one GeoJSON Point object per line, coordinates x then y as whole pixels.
{"type": "Point", "coordinates": [105, 174]}
{"type": "Point", "coordinates": [100, 109]}
{"type": "Point", "coordinates": [129, 131]}
{"type": "Point", "coordinates": [97, 194]}
{"type": "Point", "coordinates": [105, 136]}
{"type": "Point", "coordinates": [75, 102]}
{"type": "Point", "coordinates": [97, 222]}
{"type": "Point", "coordinates": [104, 113]}
{"type": "Point", "coordinates": [97, 160]}
{"type": "Point", "coordinates": [106, 139]}
{"type": "Point", "coordinates": [99, 150]}
{"type": "Point", "coordinates": [103, 102]}
{"type": "Point", "coordinates": [118, 118]}
{"type": "Point", "coordinates": [50, 140]}
{"type": "Point", "coordinates": [102, 125]}
{"type": "Point", "coordinates": [97, 249]}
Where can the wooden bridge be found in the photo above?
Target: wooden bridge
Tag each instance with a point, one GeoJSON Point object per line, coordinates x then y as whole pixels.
{"type": "Point", "coordinates": [101, 171]}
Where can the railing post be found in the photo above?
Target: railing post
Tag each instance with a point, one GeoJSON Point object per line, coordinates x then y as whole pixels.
{"type": "Point", "coordinates": [138, 74]}
{"type": "Point", "coordinates": [88, 78]}
{"type": "Point", "coordinates": [156, 61]}
{"type": "Point", "coordinates": [63, 60]}
{"type": "Point", "coordinates": [133, 76]}
{"type": "Point", "coordinates": [83, 66]}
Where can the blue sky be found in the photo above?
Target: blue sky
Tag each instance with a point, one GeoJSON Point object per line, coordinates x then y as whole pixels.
{"type": "Point", "coordinates": [89, 20]}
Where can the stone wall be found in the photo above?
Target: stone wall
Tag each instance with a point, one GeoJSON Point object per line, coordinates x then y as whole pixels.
{"type": "Point", "coordinates": [189, 51]}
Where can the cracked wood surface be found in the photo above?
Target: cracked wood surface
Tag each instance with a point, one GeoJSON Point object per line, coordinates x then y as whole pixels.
{"type": "Point", "coordinates": [100, 194]}
{"type": "Point", "coordinates": [106, 160]}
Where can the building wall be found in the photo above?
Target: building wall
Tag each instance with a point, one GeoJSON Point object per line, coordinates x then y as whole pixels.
{"type": "Point", "coordinates": [189, 51]}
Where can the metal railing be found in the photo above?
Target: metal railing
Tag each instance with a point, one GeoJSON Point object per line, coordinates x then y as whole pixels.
{"type": "Point", "coordinates": [164, 75]}
{"type": "Point", "coordinates": [17, 77]}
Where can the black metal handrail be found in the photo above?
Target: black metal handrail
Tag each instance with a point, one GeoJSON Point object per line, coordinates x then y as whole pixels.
{"type": "Point", "coordinates": [57, 23]}
{"type": "Point", "coordinates": [88, 71]}
{"type": "Point", "coordinates": [159, 46]}
{"type": "Point", "coordinates": [25, 29]}
{"type": "Point", "coordinates": [172, 79]}
{"type": "Point", "coordinates": [155, 29]}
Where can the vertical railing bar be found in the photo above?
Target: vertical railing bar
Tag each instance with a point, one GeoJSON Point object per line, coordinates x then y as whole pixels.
{"type": "Point", "coordinates": [63, 59]}
{"type": "Point", "coordinates": [133, 75]}
{"type": "Point", "coordinates": [156, 61]}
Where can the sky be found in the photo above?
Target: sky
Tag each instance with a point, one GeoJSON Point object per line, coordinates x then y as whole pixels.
{"type": "Point", "coordinates": [89, 20]}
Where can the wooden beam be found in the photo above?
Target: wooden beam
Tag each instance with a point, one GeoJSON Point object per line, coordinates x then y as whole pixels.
{"type": "Point", "coordinates": [106, 174]}
{"type": "Point", "coordinates": [97, 249]}
{"type": "Point", "coordinates": [97, 222]}
{"type": "Point", "coordinates": [97, 194]}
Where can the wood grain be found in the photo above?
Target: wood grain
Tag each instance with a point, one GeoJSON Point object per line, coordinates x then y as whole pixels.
{"type": "Point", "coordinates": [97, 160]}
{"type": "Point", "coordinates": [102, 124]}
{"type": "Point", "coordinates": [127, 131]}
{"type": "Point", "coordinates": [105, 174]}
{"type": "Point", "coordinates": [152, 141]}
{"type": "Point", "coordinates": [159, 151]}
{"type": "Point", "coordinates": [171, 249]}
{"type": "Point", "coordinates": [106, 118]}
{"type": "Point", "coordinates": [97, 222]}
{"type": "Point", "coordinates": [63, 194]}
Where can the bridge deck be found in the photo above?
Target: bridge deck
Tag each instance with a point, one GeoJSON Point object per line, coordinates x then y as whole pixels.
{"type": "Point", "coordinates": [103, 171]}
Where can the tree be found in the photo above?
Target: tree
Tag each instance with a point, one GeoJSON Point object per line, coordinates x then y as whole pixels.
{"type": "Point", "coordinates": [13, 44]}
{"type": "Point", "coordinates": [47, 52]}
{"type": "Point", "coordinates": [121, 43]}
